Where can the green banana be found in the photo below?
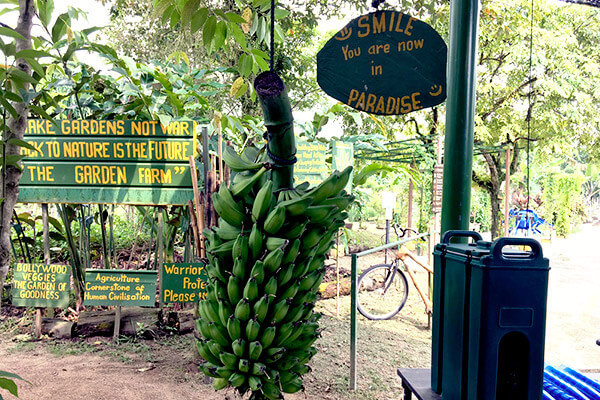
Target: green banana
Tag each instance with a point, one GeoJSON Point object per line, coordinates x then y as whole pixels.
{"type": "Point", "coordinates": [280, 310]}
{"type": "Point", "coordinates": [271, 391]}
{"type": "Point", "coordinates": [226, 231]}
{"type": "Point", "coordinates": [224, 372]}
{"type": "Point", "coordinates": [242, 310]}
{"type": "Point", "coordinates": [251, 289]}
{"type": "Point", "coordinates": [258, 272]}
{"type": "Point", "coordinates": [261, 308]}
{"type": "Point", "coordinates": [273, 243]}
{"type": "Point", "coordinates": [271, 376]}
{"type": "Point", "coordinates": [252, 330]}
{"type": "Point", "coordinates": [283, 332]}
{"type": "Point", "coordinates": [268, 336]}
{"type": "Point", "coordinates": [214, 348]}
{"type": "Point", "coordinates": [243, 186]}
{"type": "Point", "coordinates": [236, 163]}
{"type": "Point", "coordinates": [312, 237]}
{"type": "Point", "coordinates": [293, 230]}
{"type": "Point", "coordinates": [290, 291]}
{"type": "Point", "coordinates": [255, 242]}
{"type": "Point", "coordinates": [273, 260]}
{"type": "Point", "coordinates": [301, 369]}
{"type": "Point", "coordinates": [295, 313]}
{"type": "Point", "coordinates": [220, 383]}
{"type": "Point", "coordinates": [202, 327]}
{"type": "Point", "coordinates": [255, 383]}
{"type": "Point", "coordinates": [285, 274]}
{"type": "Point", "coordinates": [224, 312]}
{"type": "Point", "coordinates": [217, 335]}
{"type": "Point", "coordinates": [239, 268]}
{"type": "Point", "coordinates": [271, 286]}
{"type": "Point", "coordinates": [233, 290]}
{"type": "Point", "coordinates": [301, 269]}
{"type": "Point", "coordinates": [244, 365]}
{"type": "Point", "coordinates": [324, 190]}
{"type": "Point", "coordinates": [296, 333]}
{"type": "Point", "coordinates": [254, 350]}
{"type": "Point", "coordinates": [309, 280]}
{"type": "Point", "coordinates": [230, 211]}
{"type": "Point", "coordinates": [291, 252]}
{"type": "Point", "coordinates": [239, 347]}
{"type": "Point", "coordinates": [234, 328]}
{"type": "Point", "coordinates": [292, 386]}
{"type": "Point", "coordinates": [223, 250]}
{"type": "Point", "coordinates": [209, 369]}
{"type": "Point", "coordinates": [205, 353]}
{"type": "Point", "coordinates": [262, 202]}
{"type": "Point", "coordinates": [237, 379]}
{"type": "Point", "coordinates": [319, 213]}
{"type": "Point", "coordinates": [342, 181]}
{"type": "Point", "coordinates": [240, 248]}
{"type": "Point", "coordinates": [274, 220]}
{"type": "Point", "coordinates": [258, 369]}
{"type": "Point", "coordinates": [229, 360]}
{"type": "Point", "coordinates": [342, 202]}
{"type": "Point", "coordinates": [296, 206]}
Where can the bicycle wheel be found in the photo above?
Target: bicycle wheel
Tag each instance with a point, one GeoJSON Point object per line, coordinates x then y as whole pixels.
{"type": "Point", "coordinates": [382, 291]}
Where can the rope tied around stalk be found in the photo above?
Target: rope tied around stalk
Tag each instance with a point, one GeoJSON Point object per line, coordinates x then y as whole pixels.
{"type": "Point", "coordinates": [279, 162]}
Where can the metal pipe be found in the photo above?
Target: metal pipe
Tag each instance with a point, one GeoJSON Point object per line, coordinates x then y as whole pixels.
{"type": "Point", "coordinates": [460, 114]}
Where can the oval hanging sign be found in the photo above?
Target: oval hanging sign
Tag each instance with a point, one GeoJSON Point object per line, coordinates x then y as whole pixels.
{"type": "Point", "coordinates": [384, 63]}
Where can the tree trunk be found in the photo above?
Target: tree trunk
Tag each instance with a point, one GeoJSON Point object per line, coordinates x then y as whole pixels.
{"type": "Point", "coordinates": [16, 129]}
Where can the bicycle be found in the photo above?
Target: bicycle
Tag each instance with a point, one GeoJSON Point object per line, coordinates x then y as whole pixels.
{"type": "Point", "coordinates": [383, 288]}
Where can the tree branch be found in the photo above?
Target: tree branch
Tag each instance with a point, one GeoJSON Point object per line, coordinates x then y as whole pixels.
{"type": "Point", "coordinates": [504, 99]}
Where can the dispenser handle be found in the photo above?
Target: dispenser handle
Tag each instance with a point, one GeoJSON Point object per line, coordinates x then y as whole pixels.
{"type": "Point", "coordinates": [457, 233]}
{"type": "Point", "coordinates": [534, 245]}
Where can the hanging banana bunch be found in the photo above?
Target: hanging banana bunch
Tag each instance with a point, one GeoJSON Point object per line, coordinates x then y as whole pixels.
{"type": "Point", "coordinates": [266, 261]}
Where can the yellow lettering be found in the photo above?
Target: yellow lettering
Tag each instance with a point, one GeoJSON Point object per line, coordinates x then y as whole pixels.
{"type": "Point", "coordinates": [363, 23]}
{"type": "Point", "coordinates": [378, 25]}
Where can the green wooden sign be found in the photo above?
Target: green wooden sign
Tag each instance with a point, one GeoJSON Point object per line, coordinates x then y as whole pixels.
{"type": "Point", "coordinates": [108, 161]}
{"type": "Point", "coordinates": [104, 174]}
{"type": "Point", "coordinates": [384, 63]}
{"type": "Point", "coordinates": [183, 282]}
{"type": "Point", "coordinates": [113, 287]}
{"type": "Point", "coordinates": [311, 166]}
{"type": "Point", "coordinates": [41, 285]}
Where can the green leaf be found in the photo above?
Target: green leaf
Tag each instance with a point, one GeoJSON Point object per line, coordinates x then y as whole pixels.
{"type": "Point", "coordinates": [60, 27]}
{"type": "Point", "coordinates": [9, 385]}
{"type": "Point", "coordinates": [220, 13]}
{"type": "Point", "coordinates": [10, 32]}
{"type": "Point", "coordinates": [280, 13]}
{"type": "Point", "coordinates": [262, 64]}
{"type": "Point", "coordinates": [22, 143]}
{"type": "Point", "coordinates": [361, 177]}
{"type": "Point", "coordinates": [259, 53]}
{"type": "Point", "coordinates": [31, 53]}
{"type": "Point", "coordinates": [12, 159]}
{"type": "Point", "coordinates": [238, 35]}
{"type": "Point", "coordinates": [198, 19]}
{"type": "Point", "coordinates": [245, 65]}
{"type": "Point", "coordinates": [45, 8]}
{"type": "Point", "coordinates": [236, 18]}
{"type": "Point", "coordinates": [161, 6]}
{"type": "Point", "coordinates": [166, 16]}
{"type": "Point", "coordinates": [21, 76]}
{"type": "Point", "coordinates": [175, 16]}
{"type": "Point", "coordinates": [10, 375]}
{"type": "Point", "coordinates": [56, 236]}
{"type": "Point", "coordinates": [12, 96]}
{"type": "Point", "coordinates": [208, 32]}
{"type": "Point", "coordinates": [164, 119]}
{"type": "Point", "coordinates": [188, 11]}
{"type": "Point", "coordinates": [220, 35]}
{"type": "Point", "coordinates": [9, 107]}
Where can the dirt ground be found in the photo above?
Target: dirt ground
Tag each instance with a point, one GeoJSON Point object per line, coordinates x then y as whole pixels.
{"type": "Point", "coordinates": [164, 369]}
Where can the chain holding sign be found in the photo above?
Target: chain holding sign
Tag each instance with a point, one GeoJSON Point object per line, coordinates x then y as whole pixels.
{"type": "Point", "coordinates": [384, 63]}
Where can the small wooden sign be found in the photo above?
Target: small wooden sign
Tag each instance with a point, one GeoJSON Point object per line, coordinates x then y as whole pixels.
{"type": "Point", "coordinates": [183, 282]}
{"type": "Point", "coordinates": [114, 287]}
{"type": "Point", "coordinates": [41, 285]}
{"type": "Point", "coordinates": [311, 166]}
{"type": "Point", "coordinates": [384, 63]}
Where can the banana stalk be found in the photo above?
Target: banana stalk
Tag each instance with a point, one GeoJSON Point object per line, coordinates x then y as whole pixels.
{"type": "Point", "coordinates": [277, 114]}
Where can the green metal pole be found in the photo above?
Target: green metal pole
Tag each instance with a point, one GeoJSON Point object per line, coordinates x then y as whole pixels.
{"type": "Point", "coordinates": [353, 290]}
{"type": "Point", "coordinates": [460, 113]}
{"type": "Point", "coordinates": [458, 153]}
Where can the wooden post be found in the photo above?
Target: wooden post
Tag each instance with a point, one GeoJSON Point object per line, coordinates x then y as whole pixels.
{"type": "Point", "coordinates": [507, 191]}
{"type": "Point", "coordinates": [337, 273]}
{"type": "Point", "coordinates": [117, 328]}
{"type": "Point", "coordinates": [46, 244]}
{"type": "Point", "coordinates": [220, 152]}
{"type": "Point", "coordinates": [411, 188]}
{"type": "Point", "coordinates": [159, 252]}
{"type": "Point", "coordinates": [197, 204]}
